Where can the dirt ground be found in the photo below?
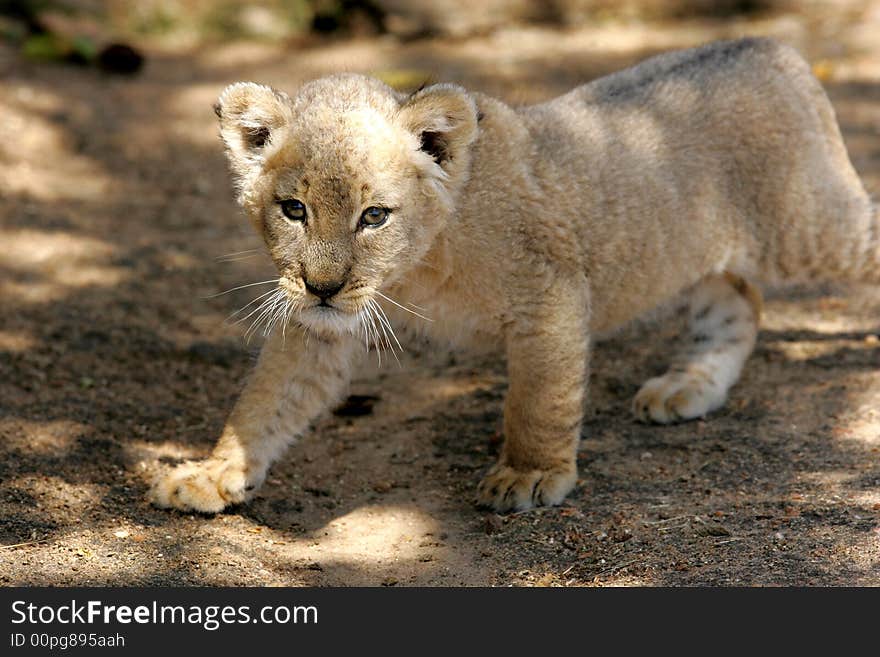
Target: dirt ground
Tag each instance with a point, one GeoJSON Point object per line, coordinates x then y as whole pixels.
{"type": "Point", "coordinates": [116, 218]}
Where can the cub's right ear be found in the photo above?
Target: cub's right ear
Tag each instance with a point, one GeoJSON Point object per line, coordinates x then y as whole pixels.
{"type": "Point", "coordinates": [251, 117]}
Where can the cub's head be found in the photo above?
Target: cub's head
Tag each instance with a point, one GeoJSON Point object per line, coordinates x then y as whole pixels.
{"type": "Point", "coordinates": [348, 182]}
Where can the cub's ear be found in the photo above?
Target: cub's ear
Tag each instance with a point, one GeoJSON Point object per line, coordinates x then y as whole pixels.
{"type": "Point", "coordinates": [444, 118]}
{"type": "Point", "coordinates": [250, 116]}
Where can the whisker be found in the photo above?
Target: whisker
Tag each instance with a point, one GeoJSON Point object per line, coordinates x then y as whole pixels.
{"type": "Point", "coordinates": [248, 304]}
{"type": "Point", "coordinates": [235, 253]}
{"type": "Point", "coordinates": [279, 315]}
{"type": "Point", "coordinates": [413, 312]}
{"type": "Point", "coordinates": [384, 318]}
{"type": "Point", "coordinates": [273, 317]}
{"type": "Point", "coordinates": [247, 257]}
{"type": "Point", "coordinates": [389, 346]}
{"type": "Point", "coordinates": [386, 324]}
{"type": "Point", "coordinates": [363, 325]}
{"type": "Point", "coordinates": [268, 306]}
{"type": "Point", "coordinates": [264, 308]}
{"type": "Point", "coordinates": [277, 307]}
{"type": "Point", "coordinates": [288, 309]}
{"type": "Point", "coordinates": [241, 287]}
{"type": "Point", "coordinates": [377, 342]}
{"type": "Point", "coordinates": [258, 308]}
{"type": "Point", "coordinates": [382, 326]}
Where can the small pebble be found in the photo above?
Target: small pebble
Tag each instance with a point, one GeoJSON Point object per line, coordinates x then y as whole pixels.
{"type": "Point", "coordinates": [383, 486]}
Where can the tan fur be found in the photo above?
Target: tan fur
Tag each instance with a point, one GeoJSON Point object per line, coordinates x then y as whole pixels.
{"type": "Point", "coordinates": [536, 228]}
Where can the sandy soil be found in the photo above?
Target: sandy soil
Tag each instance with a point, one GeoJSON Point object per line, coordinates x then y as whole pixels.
{"type": "Point", "coordinates": [115, 208]}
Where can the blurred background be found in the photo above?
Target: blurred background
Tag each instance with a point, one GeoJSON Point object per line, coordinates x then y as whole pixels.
{"type": "Point", "coordinates": [81, 31]}
{"type": "Point", "coordinates": [117, 223]}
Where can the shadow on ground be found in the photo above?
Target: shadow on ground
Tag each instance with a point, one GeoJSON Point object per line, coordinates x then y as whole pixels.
{"type": "Point", "coordinates": [113, 361]}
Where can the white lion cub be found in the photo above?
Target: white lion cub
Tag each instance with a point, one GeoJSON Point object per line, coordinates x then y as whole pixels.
{"type": "Point", "coordinates": [705, 171]}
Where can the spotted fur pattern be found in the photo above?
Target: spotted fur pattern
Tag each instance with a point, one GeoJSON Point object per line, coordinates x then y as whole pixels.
{"type": "Point", "coordinates": [722, 327]}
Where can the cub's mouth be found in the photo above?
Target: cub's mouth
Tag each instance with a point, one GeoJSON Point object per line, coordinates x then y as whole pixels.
{"type": "Point", "coordinates": [335, 315]}
{"type": "Point", "coordinates": [356, 311]}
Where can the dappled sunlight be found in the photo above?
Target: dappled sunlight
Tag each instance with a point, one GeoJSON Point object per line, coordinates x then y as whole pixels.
{"type": "Point", "coordinates": [828, 315]}
{"type": "Point", "coordinates": [30, 143]}
{"type": "Point", "coordinates": [850, 544]}
{"type": "Point", "coordinates": [15, 341]}
{"type": "Point", "coordinates": [52, 263]}
{"type": "Point", "coordinates": [146, 454]}
{"type": "Point", "coordinates": [869, 499]}
{"type": "Point", "coordinates": [366, 546]}
{"type": "Point", "coordinates": [191, 109]}
{"type": "Point", "coordinates": [838, 329]}
{"type": "Point", "coordinates": [51, 438]}
{"type": "Point", "coordinates": [269, 66]}
{"type": "Point", "coordinates": [76, 498]}
{"type": "Point", "coordinates": [862, 423]}
{"type": "Point", "coordinates": [615, 39]}
{"type": "Point", "coordinates": [23, 130]}
{"type": "Point", "coordinates": [831, 481]}
{"type": "Point", "coordinates": [119, 221]}
{"type": "Point", "coordinates": [369, 531]}
{"type": "Point", "coordinates": [34, 250]}
{"type": "Point", "coordinates": [172, 258]}
{"type": "Point", "coordinates": [240, 54]}
{"type": "Point", "coordinates": [412, 393]}
{"type": "Point", "coordinates": [78, 181]}
{"type": "Point", "coordinates": [805, 350]}
{"type": "Point", "coordinates": [439, 390]}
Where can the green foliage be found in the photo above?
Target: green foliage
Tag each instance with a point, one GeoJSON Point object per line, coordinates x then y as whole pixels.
{"type": "Point", "coordinates": [44, 47]}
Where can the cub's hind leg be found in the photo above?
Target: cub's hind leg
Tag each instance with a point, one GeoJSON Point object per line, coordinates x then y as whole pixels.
{"type": "Point", "coordinates": [722, 327]}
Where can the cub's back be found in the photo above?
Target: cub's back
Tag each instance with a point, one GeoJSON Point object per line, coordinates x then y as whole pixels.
{"type": "Point", "coordinates": [669, 167]}
{"type": "Point", "coordinates": [741, 91]}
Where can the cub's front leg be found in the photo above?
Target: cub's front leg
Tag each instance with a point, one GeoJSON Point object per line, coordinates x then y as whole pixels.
{"type": "Point", "coordinates": [296, 378]}
{"type": "Point", "coordinates": [547, 351]}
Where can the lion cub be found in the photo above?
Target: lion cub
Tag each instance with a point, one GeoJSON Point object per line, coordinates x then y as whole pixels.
{"type": "Point", "coordinates": [702, 171]}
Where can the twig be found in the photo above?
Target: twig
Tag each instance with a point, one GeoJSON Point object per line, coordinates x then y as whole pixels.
{"type": "Point", "coordinates": [15, 545]}
{"type": "Point", "coordinates": [614, 569]}
{"type": "Point", "coordinates": [664, 521]}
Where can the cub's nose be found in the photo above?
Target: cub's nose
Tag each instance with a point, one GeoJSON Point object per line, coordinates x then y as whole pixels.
{"type": "Point", "coordinates": [324, 290]}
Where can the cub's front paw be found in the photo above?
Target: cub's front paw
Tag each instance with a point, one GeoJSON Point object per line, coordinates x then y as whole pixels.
{"type": "Point", "coordinates": [507, 489]}
{"type": "Point", "coordinates": [205, 486]}
{"type": "Point", "coordinates": [677, 397]}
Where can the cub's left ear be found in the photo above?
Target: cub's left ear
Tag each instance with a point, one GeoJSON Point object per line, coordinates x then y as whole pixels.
{"type": "Point", "coordinates": [251, 115]}
{"type": "Point", "coordinates": [444, 118]}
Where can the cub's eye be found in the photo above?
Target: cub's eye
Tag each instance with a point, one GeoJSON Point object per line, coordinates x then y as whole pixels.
{"type": "Point", "coordinates": [374, 217]}
{"type": "Point", "coordinates": [293, 209]}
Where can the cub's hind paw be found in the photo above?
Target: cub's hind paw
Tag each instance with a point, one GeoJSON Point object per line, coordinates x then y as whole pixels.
{"type": "Point", "coordinates": [205, 486]}
{"type": "Point", "coordinates": [507, 489]}
{"type": "Point", "coordinates": [677, 397]}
